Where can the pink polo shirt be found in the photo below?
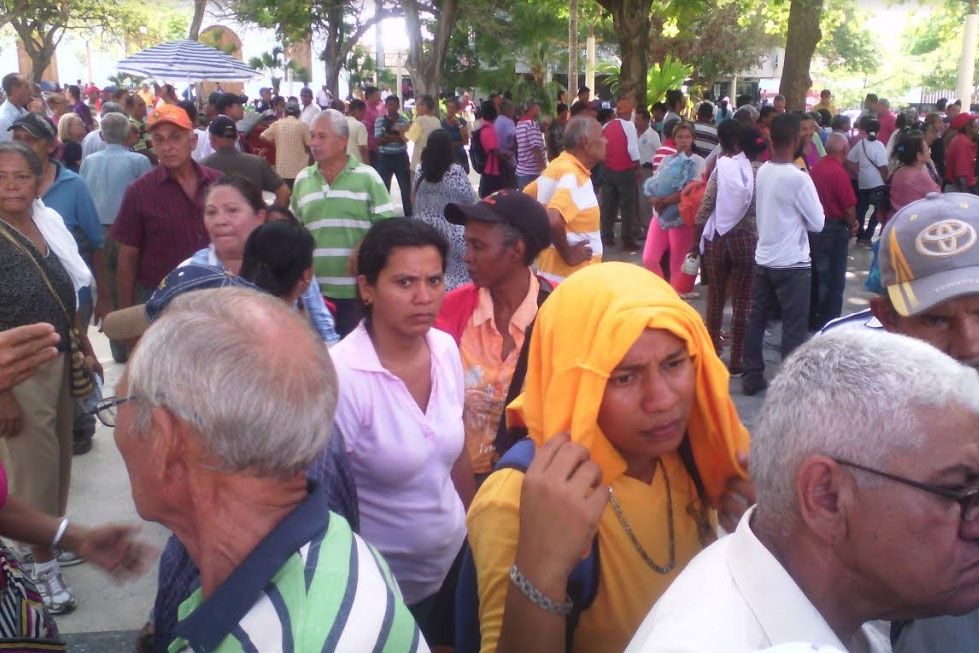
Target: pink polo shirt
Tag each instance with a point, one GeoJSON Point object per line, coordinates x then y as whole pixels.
{"type": "Point", "coordinates": [402, 458]}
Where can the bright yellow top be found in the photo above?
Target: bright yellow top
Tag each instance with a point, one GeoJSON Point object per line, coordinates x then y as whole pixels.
{"type": "Point", "coordinates": [565, 186]}
{"type": "Point", "coordinates": [627, 586]}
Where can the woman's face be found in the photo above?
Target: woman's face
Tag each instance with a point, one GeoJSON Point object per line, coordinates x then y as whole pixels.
{"type": "Point", "coordinates": [683, 140]}
{"type": "Point", "coordinates": [648, 400]}
{"type": "Point", "coordinates": [229, 220]}
{"type": "Point", "coordinates": [408, 292]}
{"type": "Point", "coordinates": [18, 185]}
{"type": "Point", "coordinates": [451, 108]}
{"type": "Point", "coordinates": [76, 130]}
{"type": "Point", "coordinates": [924, 154]}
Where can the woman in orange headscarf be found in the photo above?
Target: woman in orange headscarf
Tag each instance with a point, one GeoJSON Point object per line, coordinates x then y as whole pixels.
{"type": "Point", "coordinates": [637, 444]}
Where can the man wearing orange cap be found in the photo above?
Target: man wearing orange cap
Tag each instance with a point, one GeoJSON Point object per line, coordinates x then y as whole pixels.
{"type": "Point", "coordinates": [160, 222]}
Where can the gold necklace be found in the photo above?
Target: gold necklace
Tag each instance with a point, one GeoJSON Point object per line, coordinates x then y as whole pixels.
{"type": "Point", "coordinates": [617, 509]}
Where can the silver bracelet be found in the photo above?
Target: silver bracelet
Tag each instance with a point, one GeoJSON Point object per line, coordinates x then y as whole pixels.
{"type": "Point", "coordinates": [536, 596]}
{"type": "Point", "coordinates": [60, 533]}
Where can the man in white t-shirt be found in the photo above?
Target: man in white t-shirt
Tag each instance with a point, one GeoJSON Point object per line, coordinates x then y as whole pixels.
{"type": "Point", "coordinates": [870, 155]}
{"type": "Point", "coordinates": [309, 110]}
{"type": "Point", "coordinates": [861, 457]}
{"type": "Point", "coordinates": [357, 143]}
{"type": "Point", "coordinates": [649, 142]}
{"type": "Point", "coordinates": [787, 207]}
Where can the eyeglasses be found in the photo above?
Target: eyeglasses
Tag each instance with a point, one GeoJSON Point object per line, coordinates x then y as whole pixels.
{"type": "Point", "coordinates": [968, 499]}
{"type": "Point", "coordinates": [106, 411]}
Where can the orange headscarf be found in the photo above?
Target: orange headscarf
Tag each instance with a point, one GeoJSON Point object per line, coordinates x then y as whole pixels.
{"type": "Point", "coordinates": [582, 333]}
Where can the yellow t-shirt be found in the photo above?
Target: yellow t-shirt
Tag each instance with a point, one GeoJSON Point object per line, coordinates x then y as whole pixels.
{"type": "Point", "coordinates": [565, 186]}
{"type": "Point", "coordinates": [418, 133]}
{"type": "Point", "coordinates": [627, 586]}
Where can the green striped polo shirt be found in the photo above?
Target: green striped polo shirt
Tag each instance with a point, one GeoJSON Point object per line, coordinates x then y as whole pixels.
{"type": "Point", "coordinates": [310, 585]}
{"type": "Point", "coordinates": [339, 215]}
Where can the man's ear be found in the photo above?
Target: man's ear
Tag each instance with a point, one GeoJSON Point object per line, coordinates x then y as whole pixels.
{"type": "Point", "coordinates": [823, 492]}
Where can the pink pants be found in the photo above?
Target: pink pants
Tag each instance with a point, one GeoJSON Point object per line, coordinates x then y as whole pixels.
{"type": "Point", "coordinates": [678, 241]}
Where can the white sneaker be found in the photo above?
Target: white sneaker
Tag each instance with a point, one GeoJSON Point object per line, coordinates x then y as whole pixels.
{"type": "Point", "coordinates": [58, 598]}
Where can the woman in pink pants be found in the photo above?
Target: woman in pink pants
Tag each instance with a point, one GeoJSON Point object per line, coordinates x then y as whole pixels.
{"type": "Point", "coordinates": [674, 236]}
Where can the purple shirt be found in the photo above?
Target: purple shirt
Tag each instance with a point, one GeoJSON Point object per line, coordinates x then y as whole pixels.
{"type": "Point", "coordinates": [402, 458]}
{"type": "Point", "coordinates": [506, 134]}
{"type": "Point", "coordinates": [82, 111]}
{"type": "Point", "coordinates": [158, 218]}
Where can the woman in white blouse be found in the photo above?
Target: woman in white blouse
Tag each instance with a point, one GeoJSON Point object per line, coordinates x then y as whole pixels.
{"type": "Point", "coordinates": [400, 411]}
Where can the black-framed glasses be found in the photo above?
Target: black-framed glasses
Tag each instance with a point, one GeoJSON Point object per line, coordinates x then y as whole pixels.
{"type": "Point", "coordinates": [968, 499]}
{"type": "Point", "coordinates": [106, 410]}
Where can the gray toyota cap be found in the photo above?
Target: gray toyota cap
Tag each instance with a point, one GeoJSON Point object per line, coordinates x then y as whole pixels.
{"type": "Point", "coordinates": [929, 252]}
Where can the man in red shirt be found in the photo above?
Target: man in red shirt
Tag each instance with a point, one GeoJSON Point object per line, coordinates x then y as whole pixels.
{"type": "Point", "coordinates": [828, 248]}
{"type": "Point", "coordinates": [161, 218]}
{"type": "Point", "coordinates": [619, 189]}
{"type": "Point", "coordinates": [888, 121]}
{"type": "Point", "coordinates": [960, 156]}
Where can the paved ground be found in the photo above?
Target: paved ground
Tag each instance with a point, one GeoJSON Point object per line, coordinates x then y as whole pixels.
{"type": "Point", "coordinates": [108, 616]}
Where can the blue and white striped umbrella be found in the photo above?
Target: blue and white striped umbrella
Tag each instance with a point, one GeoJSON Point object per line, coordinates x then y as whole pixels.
{"type": "Point", "coordinates": [190, 60]}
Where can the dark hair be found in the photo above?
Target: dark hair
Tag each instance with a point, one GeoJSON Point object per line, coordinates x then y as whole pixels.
{"type": "Point", "coordinates": [752, 142]}
{"type": "Point", "coordinates": [659, 106]}
{"type": "Point", "coordinates": [604, 115]}
{"type": "Point", "coordinates": [871, 97]}
{"type": "Point", "coordinates": [941, 104]}
{"type": "Point", "coordinates": [247, 188]}
{"type": "Point", "coordinates": [825, 117]}
{"type": "Point", "coordinates": [871, 126]}
{"type": "Point", "coordinates": [276, 255]}
{"type": "Point", "coordinates": [488, 109]}
{"type": "Point", "coordinates": [393, 98]}
{"type": "Point", "coordinates": [386, 236]}
{"type": "Point", "coordinates": [841, 123]}
{"type": "Point", "coordinates": [742, 100]}
{"type": "Point", "coordinates": [284, 212]}
{"type": "Point", "coordinates": [729, 135]}
{"type": "Point", "coordinates": [356, 105]}
{"type": "Point", "coordinates": [190, 110]}
{"type": "Point", "coordinates": [578, 106]}
{"type": "Point", "coordinates": [437, 156]}
{"type": "Point", "coordinates": [909, 144]}
{"type": "Point", "coordinates": [785, 128]}
{"type": "Point", "coordinates": [584, 89]}
{"type": "Point", "coordinates": [641, 111]}
{"type": "Point", "coordinates": [278, 99]}
{"type": "Point", "coordinates": [226, 100]}
{"type": "Point", "coordinates": [561, 108]}
{"type": "Point", "coordinates": [777, 98]}
{"type": "Point", "coordinates": [12, 81]}
{"type": "Point", "coordinates": [73, 90]}
{"type": "Point", "coordinates": [705, 110]}
{"type": "Point", "coordinates": [673, 98]}
{"type": "Point", "coordinates": [765, 111]}
{"type": "Point", "coordinates": [370, 89]}
{"type": "Point", "coordinates": [670, 126]}
{"type": "Point", "coordinates": [560, 92]}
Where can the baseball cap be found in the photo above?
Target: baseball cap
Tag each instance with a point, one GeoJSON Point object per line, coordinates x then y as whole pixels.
{"type": "Point", "coordinates": [251, 120]}
{"type": "Point", "coordinates": [962, 119]}
{"type": "Point", "coordinates": [35, 125]}
{"type": "Point", "coordinates": [131, 322]}
{"type": "Point", "coordinates": [224, 127]}
{"type": "Point", "coordinates": [929, 252]}
{"type": "Point", "coordinates": [512, 207]}
{"type": "Point", "coordinates": [170, 113]}
{"type": "Point", "coordinates": [226, 100]}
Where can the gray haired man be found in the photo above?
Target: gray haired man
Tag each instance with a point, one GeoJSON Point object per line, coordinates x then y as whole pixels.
{"type": "Point", "coordinates": [94, 141]}
{"type": "Point", "coordinates": [865, 458]}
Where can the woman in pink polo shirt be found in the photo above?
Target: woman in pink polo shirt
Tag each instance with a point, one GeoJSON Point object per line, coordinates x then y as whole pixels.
{"type": "Point", "coordinates": [400, 412]}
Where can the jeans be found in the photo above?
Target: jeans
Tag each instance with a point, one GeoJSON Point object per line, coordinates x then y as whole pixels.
{"type": "Point", "coordinates": [829, 257]}
{"type": "Point", "coordinates": [619, 191]}
{"type": "Point", "coordinates": [863, 203]}
{"type": "Point", "coordinates": [788, 289]}
{"type": "Point", "coordinates": [396, 165]}
{"type": "Point", "coordinates": [524, 180]}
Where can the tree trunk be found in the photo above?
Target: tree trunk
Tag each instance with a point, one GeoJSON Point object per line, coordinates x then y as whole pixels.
{"type": "Point", "coordinates": [426, 65]}
{"type": "Point", "coordinates": [632, 24]}
{"type": "Point", "coordinates": [39, 48]}
{"type": "Point", "coordinates": [198, 19]}
{"type": "Point", "coordinates": [800, 44]}
{"type": "Point", "coordinates": [573, 49]}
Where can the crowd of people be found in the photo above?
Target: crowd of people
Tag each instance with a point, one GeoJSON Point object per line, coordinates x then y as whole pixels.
{"type": "Point", "coordinates": [458, 428]}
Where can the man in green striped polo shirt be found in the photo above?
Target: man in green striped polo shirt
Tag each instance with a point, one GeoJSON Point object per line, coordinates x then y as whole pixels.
{"type": "Point", "coordinates": [338, 198]}
{"type": "Point", "coordinates": [225, 471]}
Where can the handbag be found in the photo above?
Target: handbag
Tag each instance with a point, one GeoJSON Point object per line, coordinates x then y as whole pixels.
{"type": "Point", "coordinates": [25, 625]}
{"type": "Point", "coordinates": [80, 375]}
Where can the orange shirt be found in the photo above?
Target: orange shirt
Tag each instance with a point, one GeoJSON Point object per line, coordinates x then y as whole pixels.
{"type": "Point", "coordinates": [487, 374]}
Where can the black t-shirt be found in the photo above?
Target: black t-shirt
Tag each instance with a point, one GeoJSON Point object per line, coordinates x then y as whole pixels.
{"type": "Point", "coordinates": [24, 295]}
{"type": "Point", "coordinates": [251, 167]}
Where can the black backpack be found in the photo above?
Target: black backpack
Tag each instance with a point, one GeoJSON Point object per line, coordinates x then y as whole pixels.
{"type": "Point", "coordinates": [477, 155]}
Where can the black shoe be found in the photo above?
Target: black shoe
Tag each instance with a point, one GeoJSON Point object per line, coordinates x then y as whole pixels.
{"type": "Point", "coordinates": [608, 242]}
{"type": "Point", "coordinates": [630, 246]}
{"type": "Point", "coordinates": [81, 445]}
{"type": "Point", "coordinates": [751, 386]}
